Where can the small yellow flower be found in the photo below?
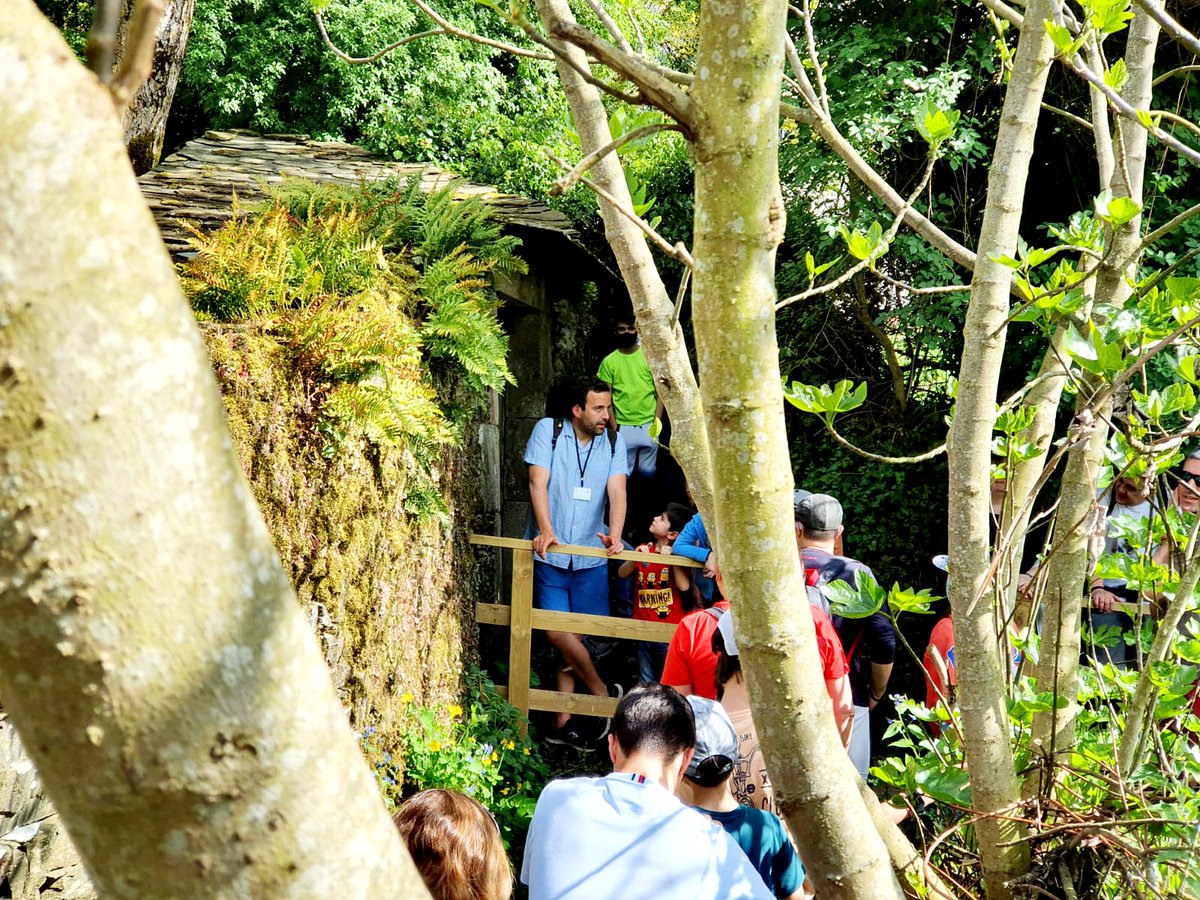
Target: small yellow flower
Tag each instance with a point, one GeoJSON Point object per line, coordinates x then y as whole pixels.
{"type": "Point", "coordinates": [526, 751]}
{"type": "Point", "coordinates": [407, 697]}
{"type": "Point", "coordinates": [508, 745]}
{"type": "Point", "coordinates": [495, 757]}
{"type": "Point", "coordinates": [454, 709]}
{"type": "Point", "coordinates": [435, 746]}
{"type": "Point", "coordinates": [503, 792]}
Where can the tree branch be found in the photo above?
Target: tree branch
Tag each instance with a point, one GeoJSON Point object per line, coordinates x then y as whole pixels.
{"type": "Point", "coordinates": [885, 242]}
{"type": "Point", "coordinates": [1171, 74]}
{"type": "Point", "coordinates": [1166, 229]}
{"type": "Point", "coordinates": [1170, 26]}
{"type": "Point", "coordinates": [937, 289]}
{"type": "Point", "coordinates": [891, 460]}
{"type": "Point", "coordinates": [878, 186]}
{"type": "Point", "coordinates": [374, 57]}
{"type": "Point", "coordinates": [1006, 12]}
{"type": "Point", "coordinates": [138, 57]}
{"type": "Point", "coordinates": [805, 13]}
{"type": "Point", "coordinates": [610, 25]}
{"type": "Point", "coordinates": [676, 251]}
{"type": "Point", "coordinates": [655, 87]}
{"type": "Point", "coordinates": [102, 39]}
{"type": "Point", "coordinates": [454, 30]}
{"type": "Point", "coordinates": [568, 181]}
{"type": "Point", "coordinates": [1078, 120]}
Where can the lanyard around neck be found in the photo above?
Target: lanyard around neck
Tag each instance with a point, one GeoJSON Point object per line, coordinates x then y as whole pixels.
{"type": "Point", "coordinates": [583, 461]}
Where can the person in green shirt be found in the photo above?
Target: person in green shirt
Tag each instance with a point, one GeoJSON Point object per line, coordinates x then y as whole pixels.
{"type": "Point", "coordinates": [635, 402]}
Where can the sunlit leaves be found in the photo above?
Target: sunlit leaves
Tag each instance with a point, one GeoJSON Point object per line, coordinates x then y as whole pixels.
{"type": "Point", "coordinates": [934, 124]}
{"type": "Point", "coordinates": [1116, 211]}
{"type": "Point", "coordinates": [825, 401]}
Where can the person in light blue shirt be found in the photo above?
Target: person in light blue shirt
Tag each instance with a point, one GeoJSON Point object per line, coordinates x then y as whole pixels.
{"type": "Point", "coordinates": [575, 470]}
{"type": "Point", "coordinates": [627, 835]}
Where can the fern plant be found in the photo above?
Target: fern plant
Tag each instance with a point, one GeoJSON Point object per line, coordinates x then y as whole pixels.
{"type": "Point", "coordinates": [369, 286]}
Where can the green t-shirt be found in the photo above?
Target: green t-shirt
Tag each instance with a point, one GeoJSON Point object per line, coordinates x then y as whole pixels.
{"type": "Point", "coordinates": [633, 386]}
{"type": "Point", "coordinates": [762, 835]}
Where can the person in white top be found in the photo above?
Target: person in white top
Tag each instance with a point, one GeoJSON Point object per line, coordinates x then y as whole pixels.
{"type": "Point", "coordinates": [626, 835]}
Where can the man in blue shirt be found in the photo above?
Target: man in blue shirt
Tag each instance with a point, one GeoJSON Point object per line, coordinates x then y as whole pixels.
{"type": "Point", "coordinates": [575, 470]}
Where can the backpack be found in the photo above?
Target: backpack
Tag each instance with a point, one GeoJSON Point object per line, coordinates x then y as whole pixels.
{"type": "Point", "coordinates": [812, 587]}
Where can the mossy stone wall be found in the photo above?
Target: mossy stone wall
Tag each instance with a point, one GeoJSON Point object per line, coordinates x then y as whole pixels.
{"type": "Point", "coordinates": [390, 593]}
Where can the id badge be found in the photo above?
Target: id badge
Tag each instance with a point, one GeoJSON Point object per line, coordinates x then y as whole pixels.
{"type": "Point", "coordinates": [582, 493]}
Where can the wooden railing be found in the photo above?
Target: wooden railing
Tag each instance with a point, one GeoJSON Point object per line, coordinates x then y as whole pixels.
{"type": "Point", "coordinates": [522, 620]}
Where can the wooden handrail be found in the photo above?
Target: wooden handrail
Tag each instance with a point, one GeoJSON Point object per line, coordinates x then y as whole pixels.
{"type": "Point", "coordinates": [488, 540]}
{"type": "Point", "coordinates": [522, 620]}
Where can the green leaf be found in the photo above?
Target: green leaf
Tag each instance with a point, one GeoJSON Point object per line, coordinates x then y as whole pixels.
{"type": "Point", "coordinates": [910, 601]}
{"type": "Point", "coordinates": [1116, 211]}
{"type": "Point", "coordinates": [934, 124]}
{"type": "Point", "coordinates": [947, 784]}
{"type": "Point", "coordinates": [1064, 41]}
{"type": "Point", "coordinates": [1147, 120]}
{"type": "Point", "coordinates": [1117, 75]}
{"type": "Point", "coordinates": [1186, 369]}
{"type": "Point", "coordinates": [655, 428]}
{"type": "Point", "coordinates": [859, 602]}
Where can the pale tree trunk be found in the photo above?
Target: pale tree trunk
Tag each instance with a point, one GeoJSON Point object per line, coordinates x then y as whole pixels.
{"type": "Point", "coordinates": [145, 120]}
{"type": "Point", "coordinates": [153, 656]}
{"type": "Point", "coordinates": [738, 224]}
{"type": "Point", "coordinates": [1066, 574]}
{"type": "Point", "coordinates": [663, 343]}
{"type": "Point", "coordinates": [994, 785]}
{"type": "Point", "coordinates": [1058, 668]}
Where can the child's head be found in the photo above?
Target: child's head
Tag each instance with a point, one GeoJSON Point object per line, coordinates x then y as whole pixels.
{"type": "Point", "coordinates": [716, 751]}
{"type": "Point", "coordinates": [667, 524]}
{"type": "Point", "coordinates": [456, 846]}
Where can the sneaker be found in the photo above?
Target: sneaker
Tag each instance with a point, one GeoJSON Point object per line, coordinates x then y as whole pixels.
{"type": "Point", "coordinates": [570, 736]}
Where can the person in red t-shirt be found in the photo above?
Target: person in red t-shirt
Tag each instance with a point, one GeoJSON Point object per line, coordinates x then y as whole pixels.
{"type": "Point", "coordinates": [663, 590]}
{"type": "Point", "coordinates": [691, 664]}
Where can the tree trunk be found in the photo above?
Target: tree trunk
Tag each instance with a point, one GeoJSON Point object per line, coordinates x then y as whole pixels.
{"type": "Point", "coordinates": [153, 656]}
{"type": "Point", "coordinates": [664, 346]}
{"type": "Point", "coordinates": [739, 223]}
{"type": "Point", "coordinates": [145, 120]}
{"type": "Point", "coordinates": [1066, 575]}
{"type": "Point", "coordinates": [994, 785]}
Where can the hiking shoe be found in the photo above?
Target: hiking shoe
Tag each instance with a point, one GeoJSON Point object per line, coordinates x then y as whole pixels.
{"type": "Point", "coordinates": [571, 736]}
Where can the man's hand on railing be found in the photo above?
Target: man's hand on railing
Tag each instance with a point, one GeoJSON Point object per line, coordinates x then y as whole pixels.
{"type": "Point", "coordinates": [611, 544]}
{"type": "Point", "coordinates": [543, 542]}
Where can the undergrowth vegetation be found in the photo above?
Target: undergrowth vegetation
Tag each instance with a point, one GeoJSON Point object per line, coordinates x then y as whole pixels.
{"type": "Point", "coordinates": [383, 295]}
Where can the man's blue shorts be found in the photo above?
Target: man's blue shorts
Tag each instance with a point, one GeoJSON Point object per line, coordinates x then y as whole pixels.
{"type": "Point", "coordinates": [571, 590]}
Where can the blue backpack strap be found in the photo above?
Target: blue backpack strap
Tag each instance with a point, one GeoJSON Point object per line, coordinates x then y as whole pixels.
{"type": "Point", "coordinates": [558, 426]}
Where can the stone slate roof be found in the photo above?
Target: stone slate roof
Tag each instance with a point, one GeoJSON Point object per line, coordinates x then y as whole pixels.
{"type": "Point", "coordinates": [196, 184]}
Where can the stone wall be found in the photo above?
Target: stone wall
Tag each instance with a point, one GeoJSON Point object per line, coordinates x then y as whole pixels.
{"type": "Point", "coordinates": [390, 591]}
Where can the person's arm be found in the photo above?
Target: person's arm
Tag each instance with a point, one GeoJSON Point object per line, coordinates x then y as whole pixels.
{"type": "Point", "coordinates": [880, 638]}
{"type": "Point", "coordinates": [616, 515]}
{"type": "Point", "coordinates": [692, 542]}
{"type": "Point", "coordinates": [675, 672]}
{"type": "Point", "coordinates": [843, 706]}
{"type": "Point", "coordinates": [626, 569]}
{"type": "Point", "coordinates": [682, 578]}
{"type": "Point", "coordinates": [539, 496]}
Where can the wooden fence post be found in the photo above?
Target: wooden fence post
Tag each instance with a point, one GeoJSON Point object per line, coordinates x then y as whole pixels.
{"type": "Point", "coordinates": [520, 632]}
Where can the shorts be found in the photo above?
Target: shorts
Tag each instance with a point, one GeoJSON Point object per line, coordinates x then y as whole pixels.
{"type": "Point", "coordinates": [571, 590]}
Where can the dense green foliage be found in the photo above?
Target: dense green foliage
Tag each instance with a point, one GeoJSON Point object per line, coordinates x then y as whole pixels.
{"type": "Point", "coordinates": [377, 290]}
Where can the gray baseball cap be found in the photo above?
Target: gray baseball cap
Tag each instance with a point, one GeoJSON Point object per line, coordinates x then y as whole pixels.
{"type": "Point", "coordinates": [819, 512]}
{"type": "Point", "coordinates": [799, 495]}
{"type": "Point", "coordinates": [715, 736]}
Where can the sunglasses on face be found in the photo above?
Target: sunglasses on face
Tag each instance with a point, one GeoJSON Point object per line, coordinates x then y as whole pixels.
{"type": "Point", "coordinates": [1183, 476]}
